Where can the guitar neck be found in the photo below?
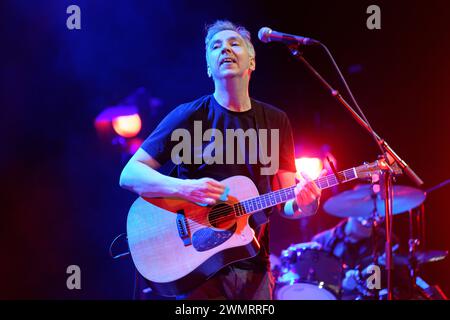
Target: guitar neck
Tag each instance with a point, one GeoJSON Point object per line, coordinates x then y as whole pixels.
{"type": "Point", "coordinates": [274, 198]}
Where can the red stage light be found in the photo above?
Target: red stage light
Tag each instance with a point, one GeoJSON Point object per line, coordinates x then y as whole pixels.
{"type": "Point", "coordinates": [127, 126]}
{"type": "Point", "coordinates": [311, 166]}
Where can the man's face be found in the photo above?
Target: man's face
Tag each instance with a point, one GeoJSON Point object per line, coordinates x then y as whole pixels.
{"type": "Point", "coordinates": [359, 227]}
{"type": "Point", "coordinates": [227, 56]}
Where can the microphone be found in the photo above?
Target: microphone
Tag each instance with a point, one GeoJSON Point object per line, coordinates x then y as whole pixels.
{"type": "Point", "coordinates": [266, 35]}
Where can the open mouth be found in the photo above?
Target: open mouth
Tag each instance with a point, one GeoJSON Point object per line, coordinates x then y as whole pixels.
{"type": "Point", "coordinates": [227, 61]}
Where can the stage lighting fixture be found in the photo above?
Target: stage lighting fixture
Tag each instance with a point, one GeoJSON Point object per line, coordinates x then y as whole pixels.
{"type": "Point", "coordinates": [311, 166]}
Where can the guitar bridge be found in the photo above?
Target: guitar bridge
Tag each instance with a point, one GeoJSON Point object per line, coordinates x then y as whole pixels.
{"type": "Point", "coordinates": [183, 230]}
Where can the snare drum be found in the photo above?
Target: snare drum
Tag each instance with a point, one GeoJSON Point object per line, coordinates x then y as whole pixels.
{"type": "Point", "coordinates": [308, 273]}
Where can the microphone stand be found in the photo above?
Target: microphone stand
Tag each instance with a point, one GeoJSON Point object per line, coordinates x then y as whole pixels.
{"type": "Point", "coordinates": [389, 159]}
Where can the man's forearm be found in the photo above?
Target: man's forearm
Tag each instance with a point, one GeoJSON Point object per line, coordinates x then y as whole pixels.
{"type": "Point", "coordinates": [146, 181]}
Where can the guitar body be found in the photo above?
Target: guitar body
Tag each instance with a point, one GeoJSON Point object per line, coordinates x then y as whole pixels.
{"type": "Point", "coordinates": [176, 245]}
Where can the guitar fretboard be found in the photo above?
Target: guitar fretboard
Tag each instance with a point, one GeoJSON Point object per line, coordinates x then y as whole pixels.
{"type": "Point", "coordinates": [273, 198]}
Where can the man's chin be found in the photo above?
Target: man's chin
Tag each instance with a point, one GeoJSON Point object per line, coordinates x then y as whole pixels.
{"type": "Point", "coordinates": [228, 74]}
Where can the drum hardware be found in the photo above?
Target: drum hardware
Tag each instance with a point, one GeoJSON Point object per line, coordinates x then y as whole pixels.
{"type": "Point", "coordinates": [306, 270]}
{"type": "Point", "coordinates": [303, 275]}
{"type": "Point", "coordinates": [430, 292]}
{"type": "Point", "coordinates": [416, 257]}
{"type": "Point", "coordinates": [420, 258]}
{"type": "Point", "coordinates": [309, 273]}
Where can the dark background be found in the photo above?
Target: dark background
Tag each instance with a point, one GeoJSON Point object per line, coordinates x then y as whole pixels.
{"type": "Point", "coordinates": [60, 199]}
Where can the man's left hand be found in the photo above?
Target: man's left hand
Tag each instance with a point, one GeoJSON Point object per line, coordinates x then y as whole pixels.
{"type": "Point", "coordinates": [307, 194]}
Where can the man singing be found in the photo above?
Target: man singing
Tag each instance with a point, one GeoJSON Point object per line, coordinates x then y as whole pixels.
{"type": "Point", "coordinates": [230, 58]}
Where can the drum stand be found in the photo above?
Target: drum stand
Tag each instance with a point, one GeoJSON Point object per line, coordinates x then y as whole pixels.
{"type": "Point", "coordinates": [375, 221]}
{"type": "Point", "coordinates": [413, 244]}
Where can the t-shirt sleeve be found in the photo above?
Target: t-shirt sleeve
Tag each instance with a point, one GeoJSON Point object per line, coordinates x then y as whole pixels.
{"type": "Point", "coordinates": [159, 144]}
{"type": "Point", "coordinates": [287, 152]}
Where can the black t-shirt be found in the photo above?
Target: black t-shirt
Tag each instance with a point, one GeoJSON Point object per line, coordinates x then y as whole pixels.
{"type": "Point", "coordinates": [196, 118]}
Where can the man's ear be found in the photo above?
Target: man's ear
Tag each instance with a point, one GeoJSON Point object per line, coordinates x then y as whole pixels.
{"type": "Point", "coordinates": [208, 70]}
{"type": "Point", "coordinates": [252, 64]}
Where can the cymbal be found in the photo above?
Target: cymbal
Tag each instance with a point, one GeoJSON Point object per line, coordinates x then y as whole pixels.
{"type": "Point", "coordinates": [421, 257]}
{"type": "Point", "coordinates": [361, 201]}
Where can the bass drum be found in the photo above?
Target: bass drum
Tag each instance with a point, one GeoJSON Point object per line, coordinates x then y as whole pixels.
{"type": "Point", "coordinates": [303, 291]}
{"type": "Point", "coordinates": [308, 273]}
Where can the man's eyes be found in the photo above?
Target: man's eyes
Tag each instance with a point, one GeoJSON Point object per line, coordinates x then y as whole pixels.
{"type": "Point", "coordinates": [217, 45]}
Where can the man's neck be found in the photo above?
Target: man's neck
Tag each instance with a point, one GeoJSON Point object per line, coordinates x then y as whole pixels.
{"type": "Point", "coordinates": [232, 94]}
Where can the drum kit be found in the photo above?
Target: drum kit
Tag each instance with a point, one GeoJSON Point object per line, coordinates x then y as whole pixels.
{"type": "Point", "coordinates": [306, 271]}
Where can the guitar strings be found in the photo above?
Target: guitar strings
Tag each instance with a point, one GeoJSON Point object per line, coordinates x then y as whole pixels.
{"type": "Point", "coordinates": [221, 211]}
{"type": "Point", "coordinates": [217, 216]}
{"type": "Point", "coordinates": [319, 181]}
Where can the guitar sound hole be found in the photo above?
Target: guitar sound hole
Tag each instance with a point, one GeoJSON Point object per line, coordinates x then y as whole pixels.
{"type": "Point", "coordinates": [222, 216]}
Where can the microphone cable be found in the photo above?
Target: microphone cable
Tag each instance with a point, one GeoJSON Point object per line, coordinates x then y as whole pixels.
{"type": "Point", "coordinates": [350, 93]}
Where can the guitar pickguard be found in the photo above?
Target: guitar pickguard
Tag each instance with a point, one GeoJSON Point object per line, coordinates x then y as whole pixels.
{"type": "Point", "coordinates": [208, 238]}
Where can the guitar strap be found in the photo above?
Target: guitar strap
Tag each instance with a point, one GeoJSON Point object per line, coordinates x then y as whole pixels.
{"type": "Point", "coordinates": [264, 185]}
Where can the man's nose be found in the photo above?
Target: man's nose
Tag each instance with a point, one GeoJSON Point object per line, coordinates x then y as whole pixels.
{"type": "Point", "coordinates": [226, 48]}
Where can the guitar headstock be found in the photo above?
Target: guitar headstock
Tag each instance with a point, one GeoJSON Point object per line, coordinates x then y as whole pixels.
{"type": "Point", "coordinates": [367, 170]}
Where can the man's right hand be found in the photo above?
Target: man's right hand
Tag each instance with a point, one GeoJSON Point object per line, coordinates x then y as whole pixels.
{"type": "Point", "coordinates": [203, 191]}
